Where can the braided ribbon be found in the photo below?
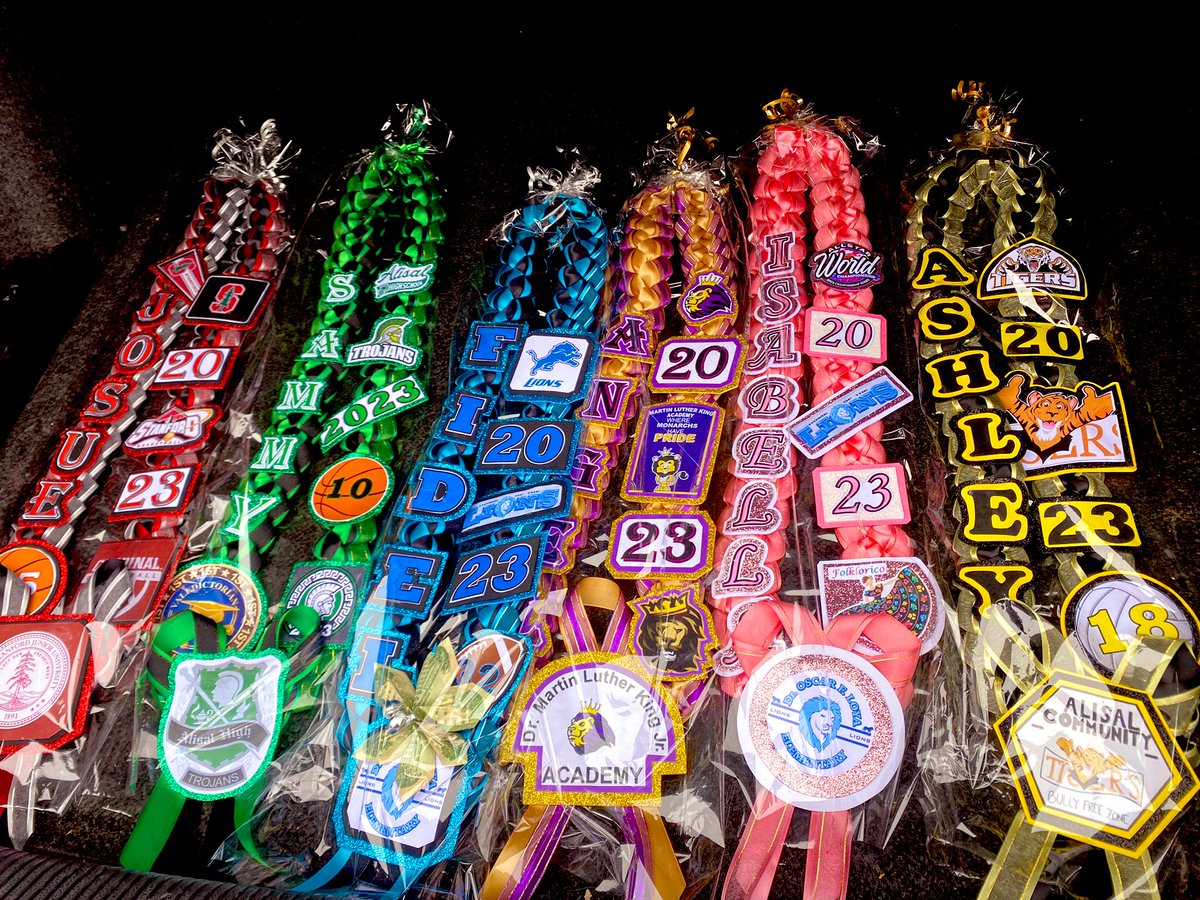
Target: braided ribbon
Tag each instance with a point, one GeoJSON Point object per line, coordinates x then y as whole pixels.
{"type": "Point", "coordinates": [558, 237]}
{"type": "Point", "coordinates": [390, 214]}
{"type": "Point", "coordinates": [684, 210]}
{"type": "Point", "coordinates": [237, 229]}
{"type": "Point", "coordinates": [1008, 647]}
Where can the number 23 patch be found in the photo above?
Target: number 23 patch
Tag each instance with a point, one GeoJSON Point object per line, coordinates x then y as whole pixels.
{"type": "Point", "coordinates": [500, 573]}
{"type": "Point", "coordinates": [861, 495]}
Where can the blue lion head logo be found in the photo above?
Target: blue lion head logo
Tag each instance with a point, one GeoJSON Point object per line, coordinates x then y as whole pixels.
{"type": "Point", "coordinates": [819, 722]}
{"type": "Point", "coordinates": [563, 352]}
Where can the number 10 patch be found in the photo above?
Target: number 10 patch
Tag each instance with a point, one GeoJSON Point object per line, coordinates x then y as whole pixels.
{"type": "Point", "coordinates": [861, 495]}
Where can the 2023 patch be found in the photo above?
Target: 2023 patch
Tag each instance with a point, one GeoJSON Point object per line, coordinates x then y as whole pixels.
{"type": "Point", "coordinates": [375, 406]}
{"type": "Point", "coordinates": [595, 729]}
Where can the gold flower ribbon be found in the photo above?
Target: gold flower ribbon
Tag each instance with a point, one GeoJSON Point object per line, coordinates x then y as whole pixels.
{"type": "Point", "coordinates": [423, 721]}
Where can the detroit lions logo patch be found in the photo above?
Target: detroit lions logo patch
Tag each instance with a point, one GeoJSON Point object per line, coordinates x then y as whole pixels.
{"type": "Point", "coordinates": [564, 352]}
{"type": "Point", "coordinates": [551, 364]}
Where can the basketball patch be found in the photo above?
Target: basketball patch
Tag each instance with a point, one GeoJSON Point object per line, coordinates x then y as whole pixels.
{"type": "Point", "coordinates": [350, 490]}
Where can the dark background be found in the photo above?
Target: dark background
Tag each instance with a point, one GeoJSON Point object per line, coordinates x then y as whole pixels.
{"type": "Point", "coordinates": [105, 122]}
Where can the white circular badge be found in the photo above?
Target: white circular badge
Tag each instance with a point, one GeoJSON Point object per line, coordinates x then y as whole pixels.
{"type": "Point", "coordinates": [821, 728]}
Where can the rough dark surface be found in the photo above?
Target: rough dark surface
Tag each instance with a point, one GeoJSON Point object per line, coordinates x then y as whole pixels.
{"type": "Point", "coordinates": [103, 145]}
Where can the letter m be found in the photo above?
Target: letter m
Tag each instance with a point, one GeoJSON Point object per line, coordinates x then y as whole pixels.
{"type": "Point", "coordinates": [277, 454]}
{"type": "Point", "coordinates": [300, 396]}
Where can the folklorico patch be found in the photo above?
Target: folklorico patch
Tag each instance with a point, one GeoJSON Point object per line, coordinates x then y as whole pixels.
{"type": "Point", "coordinates": [703, 365]}
{"type": "Point", "coordinates": [1032, 266]}
{"type": "Point", "coordinates": [672, 633]}
{"type": "Point", "coordinates": [175, 429]}
{"type": "Point", "coordinates": [147, 563]}
{"type": "Point", "coordinates": [1095, 761]}
{"type": "Point", "coordinates": [45, 680]}
{"type": "Point", "coordinates": [222, 720]}
{"type": "Point", "coordinates": [847, 266]}
{"type": "Point", "coordinates": [674, 452]}
{"type": "Point", "coordinates": [898, 586]}
{"type": "Point", "coordinates": [389, 344]}
{"type": "Point", "coordinates": [222, 593]}
{"type": "Point", "coordinates": [42, 567]}
{"type": "Point", "coordinates": [593, 729]}
{"type": "Point", "coordinates": [1106, 610]}
{"type": "Point", "coordinates": [1081, 429]}
{"type": "Point", "coordinates": [821, 728]}
{"type": "Point", "coordinates": [330, 589]}
{"type": "Point", "coordinates": [847, 412]}
{"type": "Point", "coordinates": [350, 490]}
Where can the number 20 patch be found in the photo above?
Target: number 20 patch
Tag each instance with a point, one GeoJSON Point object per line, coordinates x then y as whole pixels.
{"type": "Point", "coordinates": [861, 495]}
{"type": "Point", "coordinates": [528, 445]}
{"type": "Point", "coordinates": [500, 573]}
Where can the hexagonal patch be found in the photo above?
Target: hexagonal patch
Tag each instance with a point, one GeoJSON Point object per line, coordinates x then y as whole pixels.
{"type": "Point", "coordinates": [1095, 761]}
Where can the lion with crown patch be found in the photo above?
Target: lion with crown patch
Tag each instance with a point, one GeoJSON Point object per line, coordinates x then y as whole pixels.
{"type": "Point", "coordinates": [1048, 416]}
